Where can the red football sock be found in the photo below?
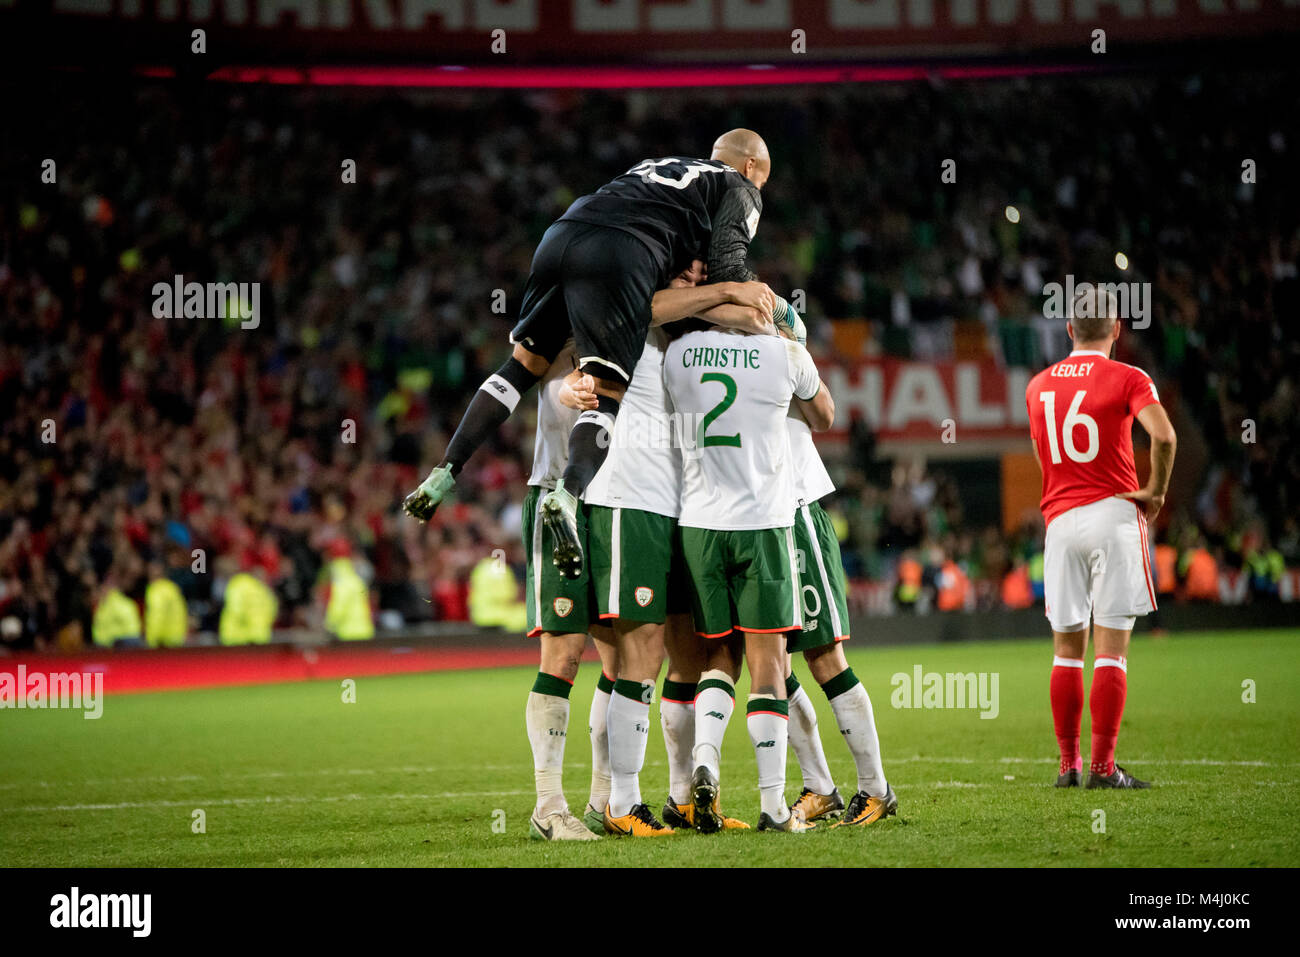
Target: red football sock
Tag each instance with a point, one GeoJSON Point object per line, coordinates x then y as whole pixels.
{"type": "Point", "coordinates": [1109, 689]}
{"type": "Point", "coordinates": [1067, 708]}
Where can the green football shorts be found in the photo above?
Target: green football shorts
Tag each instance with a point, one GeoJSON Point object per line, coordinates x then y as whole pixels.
{"type": "Point", "coordinates": [746, 580]}
{"type": "Point", "coordinates": [555, 604]}
{"type": "Point", "coordinates": [821, 574]}
{"type": "Point", "coordinates": [637, 567]}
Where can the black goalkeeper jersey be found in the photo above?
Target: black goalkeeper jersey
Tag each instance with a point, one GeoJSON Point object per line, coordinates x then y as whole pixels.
{"type": "Point", "coordinates": [682, 209]}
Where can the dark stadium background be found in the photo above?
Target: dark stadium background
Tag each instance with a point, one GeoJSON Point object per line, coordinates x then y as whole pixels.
{"type": "Point", "coordinates": [377, 297]}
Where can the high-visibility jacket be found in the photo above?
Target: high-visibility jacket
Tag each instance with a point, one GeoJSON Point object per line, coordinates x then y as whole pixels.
{"type": "Point", "coordinates": [1166, 569]}
{"type": "Point", "coordinates": [909, 580]}
{"type": "Point", "coordinates": [493, 597]}
{"type": "Point", "coordinates": [953, 586]}
{"type": "Point", "coordinates": [1016, 590]}
{"type": "Point", "coordinates": [347, 613]}
{"type": "Point", "coordinates": [1202, 576]}
{"type": "Point", "coordinates": [166, 619]}
{"type": "Point", "coordinates": [116, 617]}
{"type": "Point", "coordinates": [248, 612]}
{"type": "Point", "coordinates": [1268, 567]}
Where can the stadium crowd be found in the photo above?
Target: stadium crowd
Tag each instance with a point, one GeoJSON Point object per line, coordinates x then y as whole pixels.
{"type": "Point", "coordinates": [135, 449]}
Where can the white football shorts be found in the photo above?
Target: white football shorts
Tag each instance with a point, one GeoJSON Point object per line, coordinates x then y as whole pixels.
{"type": "Point", "coordinates": [1096, 566]}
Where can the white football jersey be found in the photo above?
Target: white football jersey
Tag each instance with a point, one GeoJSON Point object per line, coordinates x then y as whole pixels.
{"type": "Point", "coordinates": [554, 423]}
{"type": "Point", "coordinates": [731, 393]}
{"type": "Point", "coordinates": [811, 480]}
{"type": "Point", "coordinates": [644, 467]}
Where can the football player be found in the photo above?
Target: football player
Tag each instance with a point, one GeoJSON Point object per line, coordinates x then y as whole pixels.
{"type": "Point", "coordinates": [631, 509]}
{"type": "Point", "coordinates": [736, 526]}
{"type": "Point", "coordinates": [561, 614]}
{"type": "Point", "coordinates": [1095, 560]}
{"type": "Point", "coordinates": [825, 627]}
{"type": "Point", "coordinates": [592, 279]}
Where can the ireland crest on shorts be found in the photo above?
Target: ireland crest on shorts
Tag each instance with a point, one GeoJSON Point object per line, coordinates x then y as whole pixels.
{"type": "Point", "coordinates": [563, 606]}
{"type": "Point", "coordinates": [644, 596]}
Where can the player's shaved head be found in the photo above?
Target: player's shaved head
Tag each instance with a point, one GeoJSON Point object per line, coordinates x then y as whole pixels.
{"type": "Point", "coordinates": [1094, 314]}
{"type": "Point", "coordinates": [745, 151]}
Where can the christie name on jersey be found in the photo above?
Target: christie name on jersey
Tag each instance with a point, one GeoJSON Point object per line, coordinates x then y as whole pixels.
{"type": "Point", "coordinates": [733, 357]}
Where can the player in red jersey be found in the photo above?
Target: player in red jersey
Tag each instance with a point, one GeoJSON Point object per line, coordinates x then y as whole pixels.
{"type": "Point", "coordinates": [1095, 561]}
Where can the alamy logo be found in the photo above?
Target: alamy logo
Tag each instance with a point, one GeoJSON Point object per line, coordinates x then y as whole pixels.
{"type": "Point", "coordinates": [132, 911]}
{"type": "Point", "coordinates": [179, 299]}
{"type": "Point", "coordinates": [84, 690]}
{"type": "Point", "coordinates": [1127, 300]}
{"type": "Point", "coordinates": [931, 689]}
{"type": "Point", "coordinates": [653, 430]}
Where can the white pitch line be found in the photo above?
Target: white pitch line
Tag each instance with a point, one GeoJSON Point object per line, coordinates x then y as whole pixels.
{"type": "Point", "coordinates": [515, 768]}
{"type": "Point", "coordinates": [268, 799]}
{"type": "Point", "coordinates": [445, 795]}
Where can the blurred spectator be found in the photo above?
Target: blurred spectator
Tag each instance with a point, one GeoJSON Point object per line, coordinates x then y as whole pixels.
{"type": "Point", "coordinates": [166, 619]}
{"type": "Point", "coordinates": [348, 615]}
{"type": "Point", "coordinates": [494, 596]}
{"type": "Point", "coordinates": [1200, 574]}
{"type": "Point", "coordinates": [248, 610]}
{"type": "Point", "coordinates": [117, 618]}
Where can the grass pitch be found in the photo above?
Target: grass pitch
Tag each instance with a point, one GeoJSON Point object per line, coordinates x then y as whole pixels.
{"type": "Point", "coordinates": [420, 768]}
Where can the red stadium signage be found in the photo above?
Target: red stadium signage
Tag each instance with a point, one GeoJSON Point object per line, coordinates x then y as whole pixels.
{"type": "Point", "coordinates": [501, 32]}
{"type": "Point", "coordinates": [929, 401]}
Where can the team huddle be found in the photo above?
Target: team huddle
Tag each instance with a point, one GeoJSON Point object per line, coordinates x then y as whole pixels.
{"type": "Point", "coordinates": [673, 512]}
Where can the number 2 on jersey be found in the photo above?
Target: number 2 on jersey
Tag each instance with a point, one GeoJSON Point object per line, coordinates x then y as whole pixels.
{"type": "Point", "coordinates": [1073, 419]}
{"type": "Point", "coordinates": [729, 384]}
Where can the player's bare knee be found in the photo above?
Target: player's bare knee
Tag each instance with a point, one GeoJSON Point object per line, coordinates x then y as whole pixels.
{"type": "Point", "coordinates": [561, 655]}
{"type": "Point", "coordinates": [1070, 644]}
{"type": "Point", "coordinates": [531, 361]}
{"type": "Point", "coordinates": [826, 662]}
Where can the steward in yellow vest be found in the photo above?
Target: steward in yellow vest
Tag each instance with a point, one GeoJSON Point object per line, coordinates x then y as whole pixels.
{"type": "Point", "coordinates": [248, 611]}
{"type": "Point", "coordinates": [166, 619]}
{"type": "Point", "coordinates": [117, 618]}
{"type": "Point", "coordinates": [347, 609]}
{"type": "Point", "coordinates": [494, 596]}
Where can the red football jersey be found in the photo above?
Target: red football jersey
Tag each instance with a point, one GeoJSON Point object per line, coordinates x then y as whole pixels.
{"type": "Point", "coordinates": [1081, 418]}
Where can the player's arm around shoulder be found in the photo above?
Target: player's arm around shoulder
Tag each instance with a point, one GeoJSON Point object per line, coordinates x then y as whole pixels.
{"type": "Point", "coordinates": [739, 305]}
{"type": "Point", "coordinates": [810, 393]}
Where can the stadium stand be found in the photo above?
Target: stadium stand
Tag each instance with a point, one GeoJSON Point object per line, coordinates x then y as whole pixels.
{"type": "Point", "coordinates": [216, 450]}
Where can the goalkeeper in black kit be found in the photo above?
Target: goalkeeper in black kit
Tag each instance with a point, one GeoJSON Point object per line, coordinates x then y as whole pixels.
{"type": "Point", "coordinates": [592, 278]}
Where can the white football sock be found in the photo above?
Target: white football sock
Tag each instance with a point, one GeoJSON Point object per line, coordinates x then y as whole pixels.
{"type": "Point", "coordinates": [678, 720]}
{"type": "Point", "coordinates": [547, 719]}
{"type": "Point", "coordinates": [714, 702]}
{"type": "Point", "coordinates": [858, 725]}
{"type": "Point", "coordinates": [768, 733]}
{"type": "Point", "coordinates": [597, 726]}
{"type": "Point", "coordinates": [807, 743]}
{"type": "Point", "coordinates": [629, 730]}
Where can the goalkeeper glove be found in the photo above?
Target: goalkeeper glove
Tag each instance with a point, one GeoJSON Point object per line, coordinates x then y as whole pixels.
{"type": "Point", "coordinates": [785, 316]}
